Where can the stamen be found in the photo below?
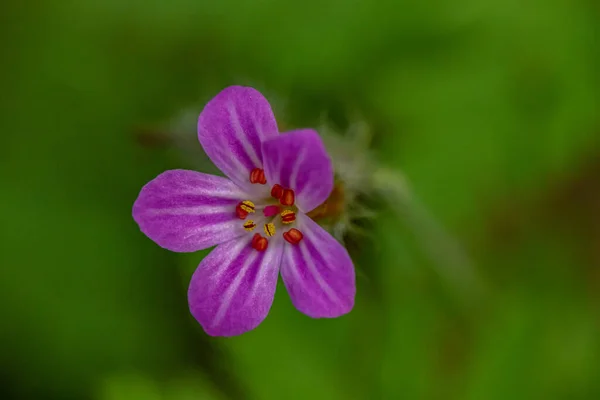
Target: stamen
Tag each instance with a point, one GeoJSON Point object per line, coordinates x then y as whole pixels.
{"type": "Point", "coordinates": [249, 225]}
{"type": "Point", "coordinates": [247, 206]}
{"type": "Point", "coordinates": [257, 175]}
{"type": "Point", "coordinates": [244, 208]}
{"type": "Point", "coordinates": [259, 243]}
{"type": "Point", "coordinates": [269, 211]}
{"type": "Point", "coordinates": [293, 236]}
{"type": "Point", "coordinates": [287, 198]}
{"type": "Point", "coordinates": [288, 216]}
{"type": "Point", "coordinates": [277, 191]}
{"type": "Point", "coordinates": [241, 214]}
{"type": "Point", "coordinates": [269, 229]}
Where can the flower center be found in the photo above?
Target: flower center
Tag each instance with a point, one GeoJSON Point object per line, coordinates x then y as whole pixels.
{"type": "Point", "coordinates": [278, 214]}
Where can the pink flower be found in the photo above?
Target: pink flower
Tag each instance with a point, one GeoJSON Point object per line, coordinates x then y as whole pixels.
{"type": "Point", "coordinates": [257, 218]}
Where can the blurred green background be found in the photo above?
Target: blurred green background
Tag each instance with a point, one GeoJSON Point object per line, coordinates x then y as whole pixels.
{"type": "Point", "coordinates": [489, 108]}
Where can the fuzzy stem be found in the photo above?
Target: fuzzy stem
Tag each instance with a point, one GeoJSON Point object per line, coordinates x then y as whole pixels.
{"type": "Point", "coordinates": [450, 260]}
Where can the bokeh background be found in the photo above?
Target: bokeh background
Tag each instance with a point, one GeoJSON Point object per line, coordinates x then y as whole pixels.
{"type": "Point", "coordinates": [488, 107]}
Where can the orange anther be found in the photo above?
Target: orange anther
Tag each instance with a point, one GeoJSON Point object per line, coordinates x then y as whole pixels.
{"type": "Point", "coordinates": [293, 236]}
{"type": "Point", "coordinates": [288, 197]}
{"type": "Point", "coordinates": [257, 175]}
{"type": "Point", "coordinates": [243, 208]}
{"type": "Point", "coordinates": [259, 243]}
{"type": "Point", "coordinates": [277, 191]}
{"type": "Point", "coordinates": [240, 213]}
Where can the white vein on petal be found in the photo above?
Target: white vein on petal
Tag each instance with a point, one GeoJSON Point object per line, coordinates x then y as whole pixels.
{"type": "Point", "coordinates": [311, 236]}
{"type": "Point", "coordinates": [241, 136]}
{"type": "Point", "coordinates": [275, 162]}
{"type": "Point", "coordinates": [294, 270]}
{"type": "Point", "coordinates": [300, 158]}
{"type": "Point", "coordinates": [291, 265]}
{"type": "Point", "coordinates": [308, 196]}
{"type": "Point", "coordinates": [239, 168]}
{"type": "Point", "coordinates": [315, 273]}
{"type": "Point", "coordinates": [274, 251]}
{"type": "Point", "coordinates": [216, 191]}
{"type": "Point", "coordinates": [191, 210]}
{"type": "Point", "coordinates": [232, 289]}
{"type": "Point", "coordinates": [213, 228]}
{"type": "Point", "coordinates": [235, 250]}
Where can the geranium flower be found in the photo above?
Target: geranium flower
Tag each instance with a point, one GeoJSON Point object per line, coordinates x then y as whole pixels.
{"type": "Point", "coordinates": [256, 217]}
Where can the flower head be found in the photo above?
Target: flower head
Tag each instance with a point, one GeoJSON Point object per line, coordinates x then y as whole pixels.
{"type": "Point", "coordinates": [256, 217]}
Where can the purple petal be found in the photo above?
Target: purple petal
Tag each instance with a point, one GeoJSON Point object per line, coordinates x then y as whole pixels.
{"type": "Point", "coordinates": [318, 273]}
{"type": "Point", "coordinates": [187, 211]}
{"type": "Point", "coordinates": [231, 128]}
{"type": "Point", "coordinates": [298, 160]}
{"type": "Point", "coordinates": [232, 290]}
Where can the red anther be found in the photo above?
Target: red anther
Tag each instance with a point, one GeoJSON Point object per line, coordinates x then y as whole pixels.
{"type": "Point", "coordinates": [255, 238]}
{"type": "Point", "coordinates": [239, 212]}
{"type": "Point", "coordinates": [287, 198]}
{"type": "Point", "coordinates": [243, 208]}
{"type": "Point", "coordinates": [293, 236]}
{"type": "Point", "coordinates": [258, 176]}
{"type": "Point", "coordinates": [262, 178]}
{"type": "Point", "coordinates": [269, 211]}
{"type": "Point", "coordinates": [259, 243]}
{"type": "Point", "coordinates": [277, 191]}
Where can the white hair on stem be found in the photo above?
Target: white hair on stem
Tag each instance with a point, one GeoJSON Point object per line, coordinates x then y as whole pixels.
{"type": "Point", "coordinates": [360, 173]}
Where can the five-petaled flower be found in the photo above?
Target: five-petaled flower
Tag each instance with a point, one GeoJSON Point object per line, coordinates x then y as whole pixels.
{"type": "Point", "coordinates": [257, 218]}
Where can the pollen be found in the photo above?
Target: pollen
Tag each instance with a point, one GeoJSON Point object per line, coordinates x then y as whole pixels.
{"type": "Point", "coordinates": [288, 216]}
{"type": "Point", "coordinates": [244, 208]}
{"type": "Point", "coordinates": [293, 236]}
{"type": "Point", "coordinates": [249, 225]}
{"type": "Point", "coordinates": [247, 206]}
{"type": "Point", "coordinates": [287, 198]}
{"type": "Point", "coordinates": [257, 175]}
{"type": "Point", "coordinates": [269, 229]}
{"type": "Point", "coordinates": [259, 243]}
